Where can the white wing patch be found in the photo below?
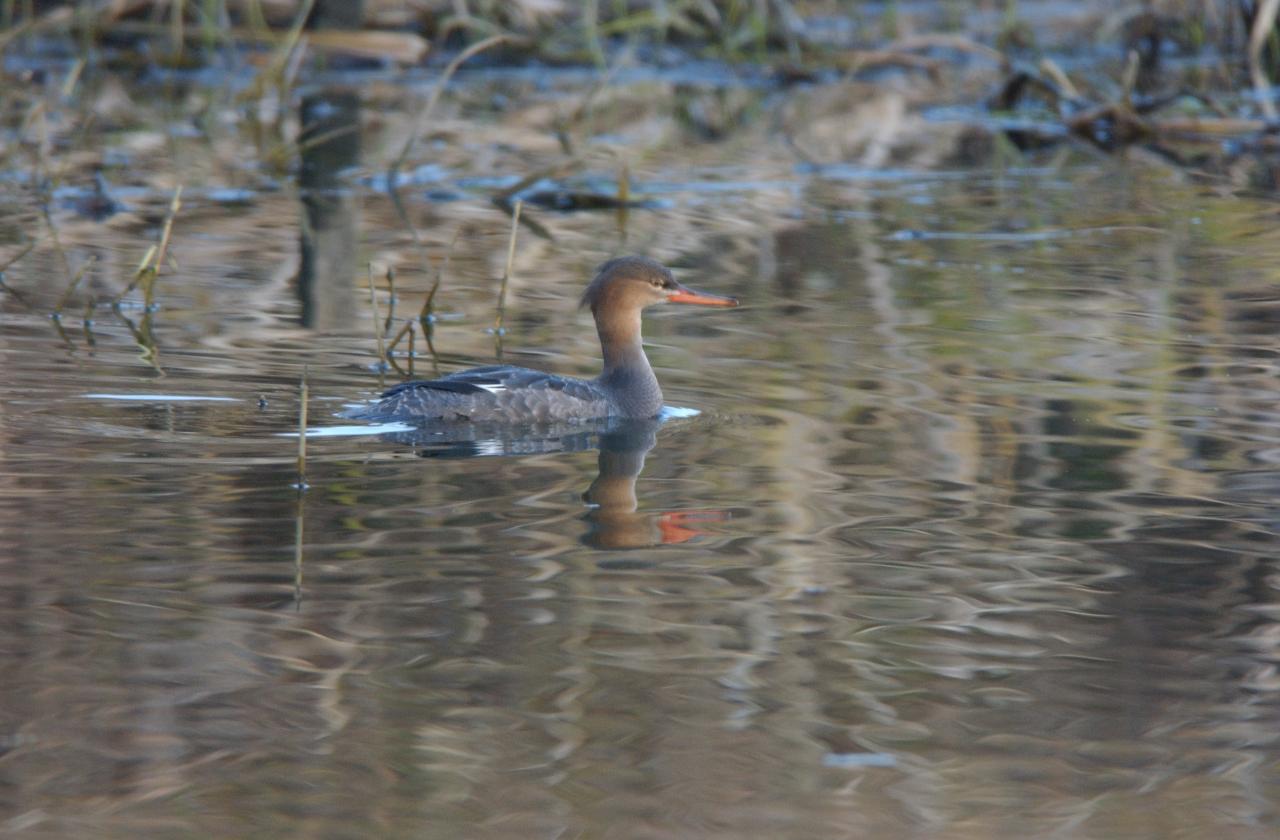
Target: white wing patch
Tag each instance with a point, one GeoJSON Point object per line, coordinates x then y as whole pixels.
{"type": "Point", "coordinates": [492, 387]}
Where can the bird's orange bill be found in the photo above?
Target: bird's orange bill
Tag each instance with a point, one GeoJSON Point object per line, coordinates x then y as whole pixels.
{"type": "Point", "coordinates": [687, 295]}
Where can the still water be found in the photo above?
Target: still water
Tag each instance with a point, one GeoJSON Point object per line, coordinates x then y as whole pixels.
{"type": "Point", "coordinates": [967, 528]}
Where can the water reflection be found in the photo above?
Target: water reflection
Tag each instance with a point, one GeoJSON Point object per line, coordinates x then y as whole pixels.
{"type": "Point", "coordinates": [614, 519]}
{"type": "Point", "coordinates": [329, 143]}
{"type": "Point", "coordinates": [614, 522]}
{"type": "Point", "coordinates": [1002, 561]}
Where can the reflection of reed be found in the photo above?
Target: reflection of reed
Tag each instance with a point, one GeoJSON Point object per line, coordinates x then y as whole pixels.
{"type": "Point", "coordinates": [329, 144]}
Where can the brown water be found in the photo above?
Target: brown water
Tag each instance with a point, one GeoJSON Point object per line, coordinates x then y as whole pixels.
{"type": "Point", "coordinates": [974, 535]}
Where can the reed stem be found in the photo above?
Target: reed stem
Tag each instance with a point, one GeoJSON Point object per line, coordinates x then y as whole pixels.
{"type": "Point", "coordinates": [377, 326]}
{"type": "Point", "coordinates": [506, 274]}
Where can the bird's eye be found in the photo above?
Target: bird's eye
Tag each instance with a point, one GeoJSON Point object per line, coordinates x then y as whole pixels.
{"type": "Point", "coordinates": [657, 283]}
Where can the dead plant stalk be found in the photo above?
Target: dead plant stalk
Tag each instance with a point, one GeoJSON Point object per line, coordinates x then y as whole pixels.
{"type": "Point", "coordinates": [506, 274]}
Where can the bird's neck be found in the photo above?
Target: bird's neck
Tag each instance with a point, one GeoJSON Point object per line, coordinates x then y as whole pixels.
{"type": "Point", "coordinates": [627, 374]}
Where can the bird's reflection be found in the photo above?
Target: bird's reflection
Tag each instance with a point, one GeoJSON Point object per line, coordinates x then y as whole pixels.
{"type": "Point", "coordinates": [614, 519]}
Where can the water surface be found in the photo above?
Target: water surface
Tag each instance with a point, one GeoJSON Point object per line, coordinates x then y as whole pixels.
{"type": "Point", "coordinates": [973, 534]}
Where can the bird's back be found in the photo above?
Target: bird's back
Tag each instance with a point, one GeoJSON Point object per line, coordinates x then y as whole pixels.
{"type": "Point", "coordinates": [497, 393]}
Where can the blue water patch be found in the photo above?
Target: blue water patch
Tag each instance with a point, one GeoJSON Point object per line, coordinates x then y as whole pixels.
{"type": "Point", "coordinates": [160, 398]}
{"type": "Point", "coordinates": [850, 760]}
{"type": "Point", "coordinates": [231, 195]}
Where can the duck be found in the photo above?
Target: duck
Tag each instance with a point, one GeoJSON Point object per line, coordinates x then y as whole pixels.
{"type": "Point", "coordinates": [506, 394]}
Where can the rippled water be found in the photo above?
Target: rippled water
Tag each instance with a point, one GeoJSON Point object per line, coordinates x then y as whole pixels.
{"type": "Point", "coordinates": [972, 535]}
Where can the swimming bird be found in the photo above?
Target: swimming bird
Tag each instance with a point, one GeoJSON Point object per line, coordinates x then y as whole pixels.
{"type": "Point", "coordinates": [626, 386]}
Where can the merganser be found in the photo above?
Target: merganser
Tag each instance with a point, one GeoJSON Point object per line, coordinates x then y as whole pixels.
{"type": "Point", "coordinates": [626, 387]}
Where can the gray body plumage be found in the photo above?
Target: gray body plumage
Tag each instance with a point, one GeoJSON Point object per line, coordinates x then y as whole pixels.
{"type": "Point", "coordinates": [498, 393]}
